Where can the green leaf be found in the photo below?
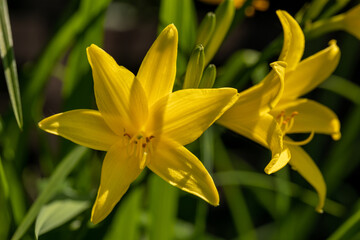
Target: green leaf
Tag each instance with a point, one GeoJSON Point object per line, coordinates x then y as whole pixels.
{"type": "Point", "coordinates": [224, 17]}
{"type": "Point", "coordinates": [163, 208]}
{"type": "Point", "coordinates": [235, 65]}
{"type": "Point", "coordinates": [9, 63]}
{"type": "Point", "coordinates": [77, 66]}
{"type": "Point", "coordinates": [57, 213]}
{"type": "Point", "coordinates": [252, 179]}
{"type": "Point", "coordinates": [349, 224]}
{"type": "Point", "coordinates": [126, 222]}
{"type": "Point", "coordinates": [343, 87]}
{"type": "Point", "coordinates": [56, 179]}
{"type": "Point", "coordinates": [182, 14]}
{"type": "Point", "coordinates": [3, 182]}
{"type": "Point", "coordinates": [77, 24]}
{"type": "Point", "coordinates": [234, 195]}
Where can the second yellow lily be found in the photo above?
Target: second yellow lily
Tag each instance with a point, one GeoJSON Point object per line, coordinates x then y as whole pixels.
{"type": "Point", "coordinates": [290, 113]}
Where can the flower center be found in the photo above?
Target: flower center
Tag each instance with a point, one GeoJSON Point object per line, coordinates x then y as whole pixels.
{"type": "Point", "coordinates": [286, 123]}
{"type": "Point", "coordinates": [139, 145]}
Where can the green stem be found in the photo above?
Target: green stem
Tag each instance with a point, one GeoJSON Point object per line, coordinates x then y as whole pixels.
{"type": "Point", "coordinates": [234, 195]}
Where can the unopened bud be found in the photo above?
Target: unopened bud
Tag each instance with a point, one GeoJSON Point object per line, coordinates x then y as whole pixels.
{"type": "Point", "coordinates": [209, 76]}
{"type": "Point", "coordinates": [206, 29]}
{"type": "Point", "coordinates": [195, 67]}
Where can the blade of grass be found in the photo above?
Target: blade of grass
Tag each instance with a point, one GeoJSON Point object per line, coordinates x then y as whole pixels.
{"type": "Point", "coordinates": [163, 208]}
{"type": "Point", "coordinates": [9, 63]}
{"type": "Point", "coordinates": [126, 222]}
{"type": "Point", "coordinates": [343, 87]}
{"type": "Point", "coordinates": [182, 14]}
{"type": "Point", "coordinates": [79, 22]}
{"type": "Point", "coordinates": [76, 66]}
{"type": "Point", "coordinates": [350, 223]}
{"type": "Point", "coordinates": [233, 194]}
{"type": "Point", "coordinates": [3, 182]}
{"type": "Point", "coordinates": [59, 175]}
{"type": "Point", "coordinates": [252, 179]}
{"type": "Point", "coordinates": [207, 156]}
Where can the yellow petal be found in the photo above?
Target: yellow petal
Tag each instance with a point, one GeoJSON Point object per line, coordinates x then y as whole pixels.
{"type": "Point", "coordinates": [312, 71]}
{"type": "Point", "coordinates": [352, 21]}
{"type": "Point", "coordinates": [158, 69]}
{"type": "Point", "coordinates": [84, 127]}
{"type": "Point", "coordinates": [184, 115]}
{"type": "Point", "coordinates": [179, 167]}
{"type": "Point", "coordinates": [306, 167]}
{"type": "Point", "coordinates": [263, 130]}
{"type": "Point", "coordinates": [115, 90]}
{"type": "Point", "coordinates": [278, 161]}
{"type": "Point", "coordinates": [260, 98]}
{"type": "Point", "coordinates": [118, 171]}
{"type": "Point", "coordinates": [294, 41]}
{"type": "Point", "coordinates": [312, 117]}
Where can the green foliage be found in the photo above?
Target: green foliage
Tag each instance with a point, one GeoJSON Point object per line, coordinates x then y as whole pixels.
{"type": "Point", "coordinates": [9, 62]}
{"type": "Point", "coordinates": [253, 205]}
{"type": "Point", "coordinates": [57, 213]}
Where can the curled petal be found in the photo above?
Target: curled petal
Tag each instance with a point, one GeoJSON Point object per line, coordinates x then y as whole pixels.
{"type": "Point", "coordinates": [311, 117]}
{"type": "Point", "coordinates": [294, 41]}
{"type": "Point", "coordinates": [260, 98]}
{"type": "Point", "coordinates": [306, 167]}
{"type": "Point", "coordinates": [118, 171]}
{"type": "Point", "coordinates": [263, 130]}
{"type": "Point", "coordinates": [311, 71]}
{"type": "Point", "coordinates": [83, 126]}
{"type": "Point", "coordinates": [179, 167]}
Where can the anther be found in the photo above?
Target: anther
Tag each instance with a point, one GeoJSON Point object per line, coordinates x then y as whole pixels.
{"type": "Point", "coordinates": [127, 135]}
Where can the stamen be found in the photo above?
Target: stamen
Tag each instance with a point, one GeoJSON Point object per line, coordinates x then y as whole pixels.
{"type": "Point", "coordinates": [303, 142]}
{"type": "Point", "coordinates": [286, 123]}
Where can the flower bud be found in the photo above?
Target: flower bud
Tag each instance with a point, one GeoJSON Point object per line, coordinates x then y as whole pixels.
{"type": "Point", "coordinates": [206, 29]}
{"type": "Point", "coordinates": [209, 76]}
{"type": "Point", "coordinates": [195, 67]}
{"type": "Point", "coordinates": [224, 17]}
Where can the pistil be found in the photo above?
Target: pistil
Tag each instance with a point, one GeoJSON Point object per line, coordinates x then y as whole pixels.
{"type": "Point", "coordinates": [140, 146]}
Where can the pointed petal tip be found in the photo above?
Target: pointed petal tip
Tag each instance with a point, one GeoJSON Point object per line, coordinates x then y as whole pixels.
{"type": "Point", "coordinates": [336, 136]}
{"type": "Point", "coordinates": [319, 210]}
{"type": "Point", "coordinates": [278, 63]}
{"type": "Point", "coordinates": [170, 31]}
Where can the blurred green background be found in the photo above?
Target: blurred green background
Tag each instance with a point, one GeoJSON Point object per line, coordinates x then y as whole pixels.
{"type": "Point", "coordinates": [43, 173]}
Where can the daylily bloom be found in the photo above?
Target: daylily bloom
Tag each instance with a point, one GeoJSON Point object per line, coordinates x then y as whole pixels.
{"type": "Point", "coordinates": [140, 122]}
{"type": "Point", "coordinates": [294, 114]}
{"type": "Point", "coordinates": [260, 5]}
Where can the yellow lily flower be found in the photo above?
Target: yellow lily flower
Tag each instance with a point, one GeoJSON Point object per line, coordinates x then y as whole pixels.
{"type": "Point", "coordinates": [140, 122]}
{"type": "Point", "coordinates": [250, 117]}
{"type": "Point", "coordinates": [351, 21]}
{"type": "Point", "coordinates": [293, 114]}
{"type": "Point", "coordinates": [259, 5]}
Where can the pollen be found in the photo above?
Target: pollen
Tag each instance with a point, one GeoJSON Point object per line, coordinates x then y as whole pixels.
{"type": "Point", "coordinates": [139, 145]}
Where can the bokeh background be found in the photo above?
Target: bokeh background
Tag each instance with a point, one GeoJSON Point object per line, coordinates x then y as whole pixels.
{"type": "Point", "coordinates": [54, 76]}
